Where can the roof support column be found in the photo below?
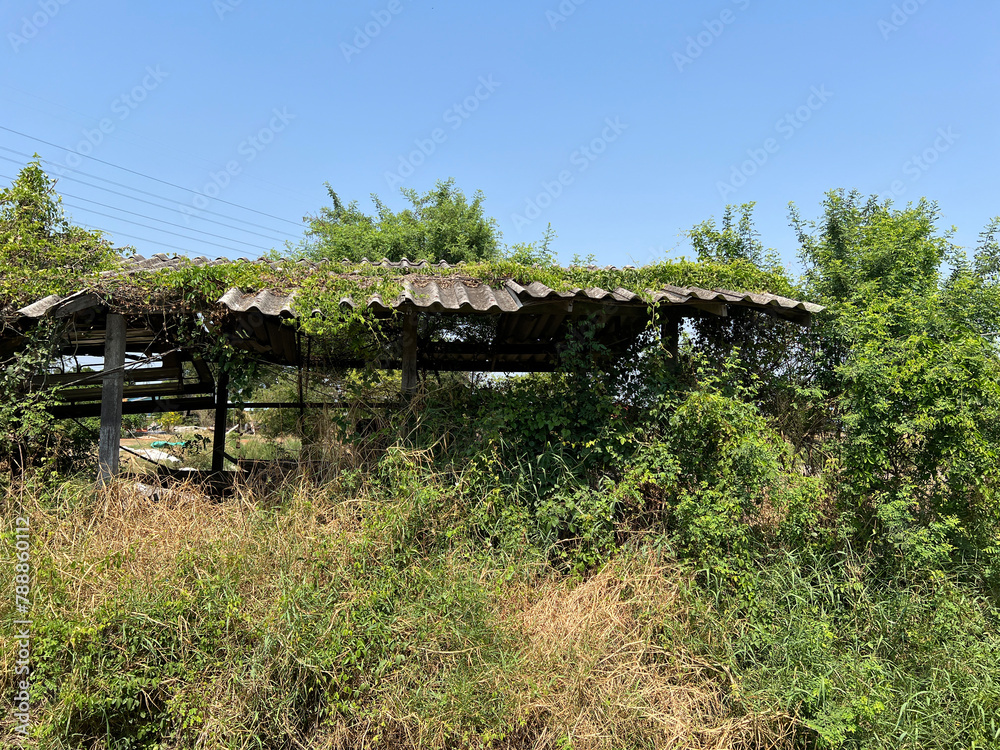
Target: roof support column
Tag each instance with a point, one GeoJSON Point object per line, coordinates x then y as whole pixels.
{"type": "Point", "coordinates": [219, 431]}
{"type": "Point", "coordinates": [112, 390]}
{"type": "Point", "coordinates": [670, 334]}
{"type": "Point", "coordinates": [409, 358]}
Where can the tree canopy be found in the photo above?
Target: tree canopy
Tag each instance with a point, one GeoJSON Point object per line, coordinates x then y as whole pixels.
{"type": "Point", "coordinates": [440, 225]}
{"type": "Point", "coordinates": [40, 251]}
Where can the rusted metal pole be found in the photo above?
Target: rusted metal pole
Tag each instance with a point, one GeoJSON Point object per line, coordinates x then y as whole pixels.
{"type": "Point", "coordinates": [112, 389]}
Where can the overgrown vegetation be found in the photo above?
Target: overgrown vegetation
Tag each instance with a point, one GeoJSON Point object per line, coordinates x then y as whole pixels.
{"type": "Point", "coordinates": [785, 538]}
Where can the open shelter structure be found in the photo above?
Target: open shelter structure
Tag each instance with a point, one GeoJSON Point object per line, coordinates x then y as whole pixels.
{"type": "Point", "coordinates": [443, 320]}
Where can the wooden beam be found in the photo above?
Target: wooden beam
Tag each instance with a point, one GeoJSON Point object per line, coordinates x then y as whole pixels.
{"type": "Point", "coordinates": [138, 390]}
{"type": "Point", "coordinates": [145, 406]}
{"type": "Point", "coordinates": [670, 334]}
{"type": "Point", "coordinates": [316, 405]}
{"type": "Point", "coordinates": [74, 303]}
{"type": "Point", "coordinates": [409, 363]}
{"type": "Point", "coordinates": [135, 375]}
{"type": "Point", "coordinates": [109, 445]}
{"type": "Point", "coordinates": [219, 432]}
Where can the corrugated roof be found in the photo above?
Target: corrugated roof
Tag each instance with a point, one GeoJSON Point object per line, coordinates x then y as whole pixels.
{"type": "Point", "coordinates": [517, 327]}
{"type": "Point", "coordinates": [454, 293]}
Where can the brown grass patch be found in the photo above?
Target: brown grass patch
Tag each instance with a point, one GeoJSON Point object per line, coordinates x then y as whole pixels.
{"type": "Point", "coordinates": [605, 674]}
{"type": "Point", "coordinates": [125, 536]}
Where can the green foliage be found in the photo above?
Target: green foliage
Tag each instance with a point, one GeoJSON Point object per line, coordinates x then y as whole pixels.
{"type": "Point", "coordinates": [863, 248]}
{"type": "Point", "coordinates": [441, 225]}
{"type": "Point", "coordinates": [735, 240]}
{"type": "Point", "coordinates": [535, 253]}
{"type": "Point", "coordinates": [161, 662]}
{"type": "Point", "coordinates": [714, 472]}
{"type": "Point", "coordinates": [917, 379]}
{"type": "Point", "coordinates": [26, 429]}
{"type": "Point", "coordinates": [862, 661]}
{"type": "Point", "coordinates": [41, 253]}
{"type": "Point", "coordinates": [826, 497]}
{"type": "Point", "coordinates": [777, 356]}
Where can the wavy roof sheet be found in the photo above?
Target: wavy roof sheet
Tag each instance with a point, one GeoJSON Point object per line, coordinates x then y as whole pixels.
{"type": "Point", "coordinates": [517, 327]}
{"type": "Point", "coordinates": [460, 294]}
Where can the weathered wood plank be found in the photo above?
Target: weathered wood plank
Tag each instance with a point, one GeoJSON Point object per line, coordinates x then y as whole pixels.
{"type": "Point", "coordinates": [670, 334]}
{"type": "Point", "coordinates": [111, 399]}
{"type": "Point", "coordinates": [219, 431]}
{"type": "Point", "coordinates": [409, 362]}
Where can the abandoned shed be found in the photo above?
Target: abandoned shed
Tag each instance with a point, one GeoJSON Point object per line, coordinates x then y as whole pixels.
{"type": "Point", "coordinates": [443, 320]}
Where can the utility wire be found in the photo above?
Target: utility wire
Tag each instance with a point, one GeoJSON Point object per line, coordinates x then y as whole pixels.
{"type": "Point", "coordinates": [164, 221]}
{"type": "Point", "coordinates": [171, 208]}
{"type": "Point", "coordinates": [135, 138]}
{"type": "Point", "coordinates": [140, 174]}
{"type": "Point", "coordinates": [151, 203]}
{"type": "Point", "coordinates": [134, 189]}
{"type": "Point", "coordinates": [156, 229]}
{"type": "Point", "coordinates": [181, 250]}
{"type": "Point", "coordinates": [91, 227]}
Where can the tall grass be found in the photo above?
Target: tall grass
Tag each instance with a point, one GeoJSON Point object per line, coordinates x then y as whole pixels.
{"type": "Point", "coordinates": [374, 611]}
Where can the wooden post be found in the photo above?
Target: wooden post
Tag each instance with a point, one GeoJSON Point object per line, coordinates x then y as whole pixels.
{"type": "Point", "coordinates": [670, 334]}
{"type": "Point", "coordinates": [219, 432]}
{"type": "Point", "coordinates": [409, 353]}
{"type": "Point", "coordinates": [109, 445]}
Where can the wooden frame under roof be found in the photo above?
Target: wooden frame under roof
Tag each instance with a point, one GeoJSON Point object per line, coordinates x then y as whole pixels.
{"type": "Point", "coordinates": [498, 327]}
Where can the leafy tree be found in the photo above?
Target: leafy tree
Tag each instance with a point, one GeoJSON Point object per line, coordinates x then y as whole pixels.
{"type": "Point", "coordinates": [535, 253]}
{"type": "Point", "coordinates": [916, 377]}
{"type": "Point", "coordinates": [973, 288]}
{"type": "Point", "coordinates": [736, 239]}
{"type": "Point", "coordinates": [41, 253]}
{"type": "Point", "coordinates": [774, 352]}
{"type": "Point", "coordinates": [440, 225]}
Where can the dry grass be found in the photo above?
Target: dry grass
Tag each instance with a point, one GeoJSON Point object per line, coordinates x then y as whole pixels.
{"type": "Point", "coordinates": [566, 663]}
{"type": "Point", "coordinates": [605, 674]}
{"type": "Point", "coordinates": [125, 536]}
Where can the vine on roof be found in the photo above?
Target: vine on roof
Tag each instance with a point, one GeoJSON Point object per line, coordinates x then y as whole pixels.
{"type": "Point", "coordinates": [43, 254]}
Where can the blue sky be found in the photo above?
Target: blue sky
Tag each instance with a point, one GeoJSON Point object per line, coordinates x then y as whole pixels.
{"type": "Point", "coordinates": [621, 124]}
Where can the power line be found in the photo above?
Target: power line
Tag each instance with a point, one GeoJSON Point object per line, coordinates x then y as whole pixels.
{"type": "Point", "coordinates": [151, 218]}
{"type": "Point", "coordinates": [140, 174]}
{"type": "Point", "coordinates": [143, 141]}
{"type": "Point", "coordinates": [164, 221]}
{"type": "Point", "coordinates": [181, 250]}
{"type": "Point", "coordinates": [158, 229]}
{"type": "Point", "coordinates": [170, 208]}
{"type": "Point", "coordinates": [157, 205]}
{"type": "Point", "coordinates": [143, 192]}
